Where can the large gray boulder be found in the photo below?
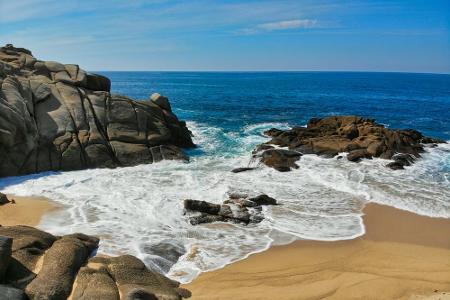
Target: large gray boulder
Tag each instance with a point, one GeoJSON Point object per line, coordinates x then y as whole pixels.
{"type": "Point", "coordinates": [59, 117]}
{"type": "Point", "coordinates": [131, 278]}
{"type": "Point", "coordinates": [60, 265]}
{"type": "Point", "coordinates": [41, 266]}
{"type": "Point", "coordinates": [28, 246]}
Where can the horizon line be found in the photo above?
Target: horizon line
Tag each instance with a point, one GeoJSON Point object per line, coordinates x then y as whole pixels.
{"type": "Point", "coordinates": [274, 71]}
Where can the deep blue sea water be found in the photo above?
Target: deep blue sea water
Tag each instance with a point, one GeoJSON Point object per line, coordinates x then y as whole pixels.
{"type": "Point", "coordinates": [231, 100]}
{"type": "Point", "coordinates": [136, 208]}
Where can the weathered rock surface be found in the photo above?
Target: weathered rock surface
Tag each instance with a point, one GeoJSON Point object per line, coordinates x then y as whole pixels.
{"type": "Point", "coordinates": [60, 263]}
{"type": "Point", "coordinates": [361, 138]}
{"type": "Point", "coordinates": [29, 245]}
{"type": "Point", "coordinates": [126, 275]}
{"type": "Point", "coordinates": [59, 117]}
{"type": "Point", "coordinates": [237, 209]}
{"type": "Point", "coordinates": [38, 266]}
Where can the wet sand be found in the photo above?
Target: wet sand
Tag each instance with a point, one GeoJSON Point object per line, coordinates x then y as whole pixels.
{"type": "Point", "coordinates": [401, 256]}
{"type": "Point", "coordinates": [26, 210]}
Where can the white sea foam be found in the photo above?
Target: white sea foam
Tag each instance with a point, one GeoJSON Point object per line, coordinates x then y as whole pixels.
{"type": "Point", "coordinates": [136, 208]}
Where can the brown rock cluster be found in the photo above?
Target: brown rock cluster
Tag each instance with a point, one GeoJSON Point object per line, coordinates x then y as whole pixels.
{"type": "Point", "coordinates": [361, 138]}
{"type": "Point", "coordinates": [60, 117]}
{"type": "Point", "coordinates": [37, 265]}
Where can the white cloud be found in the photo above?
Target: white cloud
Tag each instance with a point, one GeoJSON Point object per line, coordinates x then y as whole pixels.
{"type": "Point", "coordinates": [289, 24]}
{"type": "Point", "coordinates": [280, 25]}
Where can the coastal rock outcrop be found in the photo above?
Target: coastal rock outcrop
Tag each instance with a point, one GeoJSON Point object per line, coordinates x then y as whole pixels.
{"type": "Point", "coordinates": [360, 137]}
{"type": "Point", "coordinates": [239, 208]}
{"type": "Point", "coordinates": [37, 265]}
{"type": "Point", "coordinates": [60, 117]}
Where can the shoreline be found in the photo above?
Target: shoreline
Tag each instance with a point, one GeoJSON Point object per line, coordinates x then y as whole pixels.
{"type": "Point", "coordinates": [27, 210]}
{"type": "Point", "coordinates": [402, 255]}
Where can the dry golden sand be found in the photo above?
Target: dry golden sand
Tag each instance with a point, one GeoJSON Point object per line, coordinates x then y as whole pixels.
{"type": "Point", "coordinates": [26, 210]}
{"type": "Point", "coordinates": [401, 256]}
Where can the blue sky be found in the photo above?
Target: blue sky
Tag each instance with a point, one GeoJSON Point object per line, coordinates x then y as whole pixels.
{"type": "Point", "coordinates": [408, 36]}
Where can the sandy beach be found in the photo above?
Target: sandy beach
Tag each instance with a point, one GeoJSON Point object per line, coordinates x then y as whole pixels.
{"type": "Point", "coordinates": [25, 210]}
{"type": "Point", "coordinates": [401, 256]}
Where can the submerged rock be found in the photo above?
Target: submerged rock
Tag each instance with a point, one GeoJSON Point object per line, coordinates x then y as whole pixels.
{"type": "Point", "coordinates": [164, 254]}
{"type": "Point", "coordinates": [238, 209]}
{"type": "Point", "coordinates": [263, 199]}
{"type": "Point", "coordinates": [281, 159]}
{"type": "Point", "coordinates": [59, 117]}
{"type": "Point", "coordinates": [360, 137]}
{"type": "Point", "coordinates": [400, 161]}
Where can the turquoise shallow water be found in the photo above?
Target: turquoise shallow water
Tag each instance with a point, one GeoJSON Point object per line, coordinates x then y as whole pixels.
{"type": "Point", "coordinates": [140, 207]}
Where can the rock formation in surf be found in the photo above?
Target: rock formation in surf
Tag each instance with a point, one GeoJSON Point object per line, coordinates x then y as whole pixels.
{"type": "Point", "coordinates": [361, 138]}
{"type": "Point", "coordinates": [240, 208]}
{"type": "Point", "coordinates": [37, 265]}
{"type": "Point", "coordinates": [59, 117]}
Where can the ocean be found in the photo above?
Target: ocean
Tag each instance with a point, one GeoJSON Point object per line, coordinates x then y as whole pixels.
{"type": "Point", "coordinates": [138, 210]}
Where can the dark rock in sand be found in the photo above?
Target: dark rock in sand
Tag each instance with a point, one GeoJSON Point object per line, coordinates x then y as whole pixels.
{"type": "Point", "coordinates": [58, 117]}
{"type": "Point", "coordinates": [11, 293]}
{"type": "Point", "coordinates": [3, 199]}
{"type": "Point", "coordinates": [362, 138]}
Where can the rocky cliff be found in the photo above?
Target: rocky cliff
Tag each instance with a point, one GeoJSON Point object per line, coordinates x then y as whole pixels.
{"type": "Point", "coordinates": [60, 117]}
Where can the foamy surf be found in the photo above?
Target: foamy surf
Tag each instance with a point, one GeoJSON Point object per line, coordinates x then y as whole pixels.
{"type": "Point", "coordinates": [138, 210]}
